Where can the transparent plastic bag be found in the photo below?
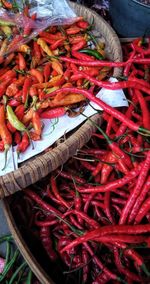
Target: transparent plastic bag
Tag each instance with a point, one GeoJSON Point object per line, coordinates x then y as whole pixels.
{"type": "Point", "coordinates": [18, 26]}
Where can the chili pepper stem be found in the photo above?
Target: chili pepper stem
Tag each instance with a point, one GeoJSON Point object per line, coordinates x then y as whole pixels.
{"type": "Point", "coordinates": [28, 133]}
{"type": "Point", "coordinates": [144, 268]}
{"type": "Point", "coordinates": [6, 147]}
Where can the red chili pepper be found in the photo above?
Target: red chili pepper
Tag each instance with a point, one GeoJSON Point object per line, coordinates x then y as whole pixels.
{"type": "Point", "coordinates": [33, 92]}
{"type": "Point", "coordinates": [36, 55]}
{"type": "Point", "coordinates": [38, 74]}
{"type": "Point", "coordinates": [144, 109]}
{"type": "Point", "coordinates": [115, 113]}
{"type": "Point", "coordinates": [112, 186]}
{"type": "Point", "coordinates": [121, 238]}
{"type": "Point", "coordinates": [25, 91]}
{"type": "Point", "coordinates": [47, 71]}
{"type": "Point", "coordinates": [53, 113]}
{"type": "Point", "coordinates": [110, 231]}
{"type": "Point", "coordinates": [83, 62]}
{"type": "Point", "coordinates": [87, 165]}
{"type": "Point", "coordinates": [145, 207]}
{"type": "Point", "coordinates": [107, 168]}
{"type": "Point", "coordinates": [79, 56]}
{"type": "Point", "coordinates": [123, 269]}
{"type": "Point", "coordinates": [81, 44]}
{"type": "Point", "coordinates": [69, 176]}
{"type": "Point", "coordinates": [85, 260]}
{"type": "Point", "coordinates": [19, 111]}
{"type": "Point", "coordinates": [13, 88]}
{"type": "Point", "coordinates": [97, 261]}
{"type": "Point", "coordinates": [10, 127]}
{"type": "Point", "coordinates": [136, 190]}
{"type": "Point", "coordinates": [17, 137]}
{"type": "Point", "coordinates": [4, 133]}
{"type": "Point", "coordinates": [37, 125]}
{"type": "Point", "coordinates": [139, 200]}
{"type": "Point", "coordinates": [22, 62]}
{"type": "Point", "coordinates": [2, 146]}
{"type": "Point", "coordinates": [23, 145]}
{"type": "Point", "coordinates": [90, 221]}
{"type": "Point", "coordinates": [57, 43]}
{"type": "Point", "coordinates": [72, 30]}
{"type": "Point", "coordinates": [48, 40]}
{"type": "Point", "coordinates": [47, 243]}
{"type": "Point", "coordinates": [42, 203]}
{"type": "Point", "coordinates": [82, 24]}
{"type": "Point", "coordinates": [7, 4]}
{"type": "Point", "coordinates": [14, 103]}
{"type": "Point", "coordinates": [9, 59]}
{"type": "Point", "coordinates": [10, 74]}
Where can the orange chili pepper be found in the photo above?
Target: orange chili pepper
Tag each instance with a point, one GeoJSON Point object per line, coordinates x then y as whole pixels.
{"type": "Point", "coordinates": [24, 48]}
{"type": "Point", "coordinates": [44, 46]}
{"type": "Point", "coordinates": [57, 66]}
{"type": "Point", "coordinates": [6, 4]}
{"type": "Point", "coordinates": [9, 59]}
{"type": "Point", "coordinates": [37, 125]}
{"type": "Point", "coordinates": [13, 88]}
{"type": "Point", "coordinates": [55, 81]}
{"type": "Point", "coordinates": [38, 74]}
{"type": "Point", "coordinates": [4, 133]}
{"type": "Point", "coordinates": [67, 100]}
{"type": "Point", "coordinates": [73, 30]}
{"type": "Point", "coordinates": [28, 116]}
{"type": "Point", "coordinates": [21, 62]}
{"type": "Point", "coordinates": [25, 90]}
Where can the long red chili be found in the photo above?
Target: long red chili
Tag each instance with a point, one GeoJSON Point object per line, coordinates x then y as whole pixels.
{"type": "Point", "coordinates": [56, 192]}
{"type": "Point", "coordinates": [109, 230]}
{"type": "Point", "coordinates": [42, 203]}
{"type": "Point", "coordinates": [145, 208]}
{"type": "Point", "coordinates": [115, 113]}
{"type": "Point", "coordinates": [136, 191]}
{"type": "Point", "coordinates": [139, 200]}
{"type": "Point", "coordinates": [144, 109]}
{"type": "Point", "coordinates": [103, 62]}
{"type": "Point", "coordinates": [114, 185]}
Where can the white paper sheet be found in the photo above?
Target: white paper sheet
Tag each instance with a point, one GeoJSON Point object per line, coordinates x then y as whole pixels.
{"type": "Point", "coordinates": [53, 131]}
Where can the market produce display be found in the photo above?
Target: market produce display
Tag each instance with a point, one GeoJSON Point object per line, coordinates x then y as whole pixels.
{"type": "Point", "coordinates": [32, 74]}
{"type": "Point", "coordinates": [92, 215]}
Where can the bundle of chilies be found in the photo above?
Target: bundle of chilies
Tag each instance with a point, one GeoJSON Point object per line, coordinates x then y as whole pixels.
{"type": "Point", "coordinates": [92, 215]}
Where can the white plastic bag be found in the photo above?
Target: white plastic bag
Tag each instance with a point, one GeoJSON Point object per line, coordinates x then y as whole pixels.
{"type": "Point", "coordinates": [41, 15]}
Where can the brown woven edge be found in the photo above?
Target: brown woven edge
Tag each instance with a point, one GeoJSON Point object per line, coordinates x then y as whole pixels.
{"type": "Point", "coordinates": [41, 165]}
{"type": "Point", "coordinates": [36, 169]}
{"type": "Point", "coordinates": [25, 251]}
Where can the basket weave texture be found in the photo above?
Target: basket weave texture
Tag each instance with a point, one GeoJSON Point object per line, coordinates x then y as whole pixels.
{"type": "Point", "coordinates": [35, 169]}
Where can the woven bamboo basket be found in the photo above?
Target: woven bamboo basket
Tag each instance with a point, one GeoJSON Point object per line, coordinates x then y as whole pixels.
{"type": "Point", "coordinates": [40, 166]}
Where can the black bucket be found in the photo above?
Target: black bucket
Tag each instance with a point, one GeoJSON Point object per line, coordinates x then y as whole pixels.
{"type": "Point", "coordinates": [130, 18]}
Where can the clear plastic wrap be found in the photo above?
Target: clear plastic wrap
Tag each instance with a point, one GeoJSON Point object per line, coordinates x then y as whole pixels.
{"type": "Point", "coordinates": [20, 24]}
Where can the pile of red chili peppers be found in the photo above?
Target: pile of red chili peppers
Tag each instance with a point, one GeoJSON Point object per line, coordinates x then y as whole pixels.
{"type": "Point", "coordinates": [92, 215]}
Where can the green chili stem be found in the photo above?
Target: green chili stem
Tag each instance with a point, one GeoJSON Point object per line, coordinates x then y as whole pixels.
{"type": "Point", "coordinates": [29, 277]}
{"type": "Point", "coordinates": [9, 265]}
{"type": "Point", "coordinates": [16, 272]}
{"type": "Point", "coordinates": [6, 238]}
{"type": "Point", "coordinates": [7, 147]}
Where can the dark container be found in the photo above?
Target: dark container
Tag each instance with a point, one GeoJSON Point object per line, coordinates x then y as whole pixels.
{"type": "Point", "coordinates": [130, 18]}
